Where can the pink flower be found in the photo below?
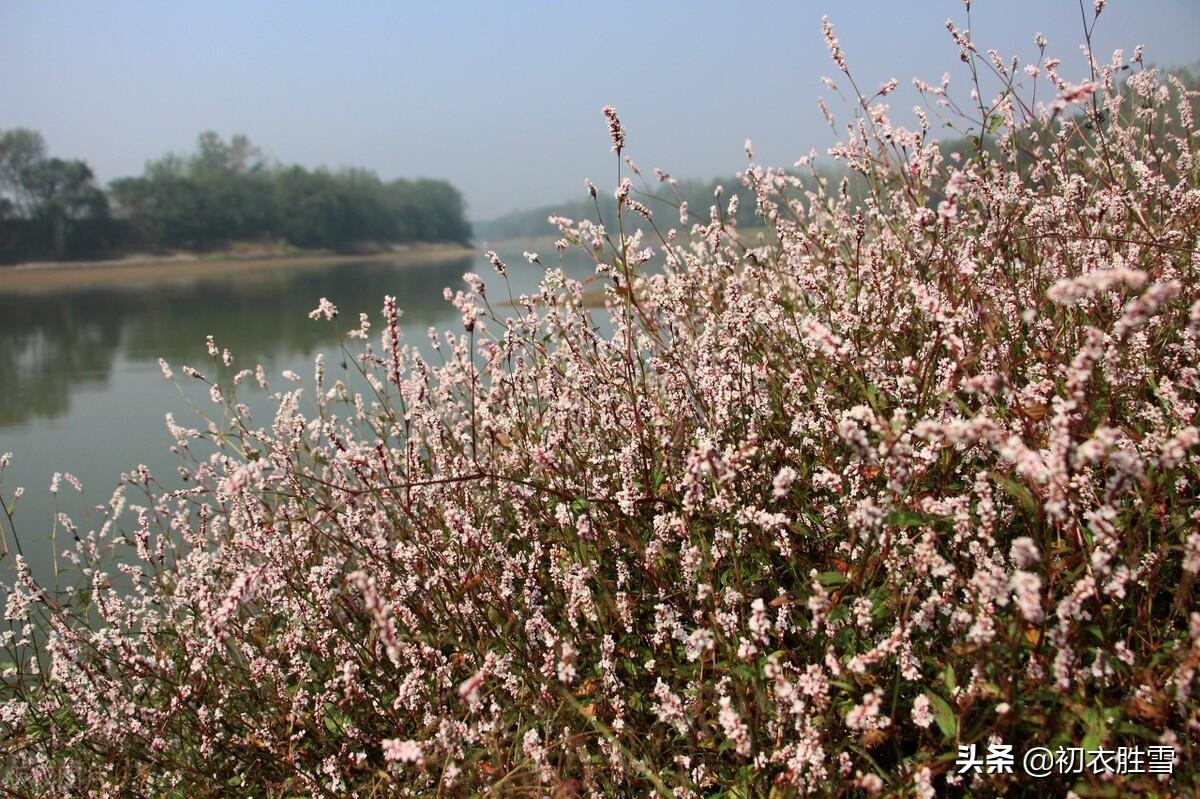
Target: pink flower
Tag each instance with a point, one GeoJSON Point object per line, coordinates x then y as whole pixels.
{"type": "Point", "coordinates": [324, 308]}
{"type": "Point", "coordinates": [1072, 94]}
{"type": "Point", "coordinates": [922, 715]}
{"type": "Point", "coordinates": [735, 729]}
{"type": "Point", "coordinates": [398, 751]}
{"type": "Point", "coordinates": [831, 42]}
{"type": "Point", "coordinates": [1023, 552]}
{"type": "Point", "coordinates": [615, 131]}
{"type": "Point", "coordinates": [866, 716]}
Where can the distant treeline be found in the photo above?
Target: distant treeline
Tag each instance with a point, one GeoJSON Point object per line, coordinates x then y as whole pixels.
{"type": "Point", "coordinates": [225, 192]}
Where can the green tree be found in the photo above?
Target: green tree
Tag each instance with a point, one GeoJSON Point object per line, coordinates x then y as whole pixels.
{"type": "Point", "coordinates": [221, 193]}
{"type": "Point", "coordinates": [229, 191]}
{"type": "Point", "coordinates": [311, 211]}
{"type": "Point", "coordinates": [20, 149]}
{"type": "Point", "coordinates": [50, 193]}
{"type": "Point", "coordinates": [65, 189]}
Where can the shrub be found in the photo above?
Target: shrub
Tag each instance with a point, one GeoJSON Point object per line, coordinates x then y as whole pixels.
{"type": "Point", "coordinates": [919, 472]}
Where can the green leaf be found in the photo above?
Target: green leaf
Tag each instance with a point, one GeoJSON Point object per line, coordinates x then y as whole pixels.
{"type": "Point", "coordinates": [949, 679]}
{"type": "Point", "coordinates": [1018, 492]}
{"type": "Point", "coordinates": [944, 716]}
{"type": "Point", "coordinates": [1094, 724]}
{"type": "Point", "coordinates": [335, 720]}
{"type": "Point", "coordinates": [994, 123]}
{"type": "Point", "coordinates": [831, 578]}
{"type": "Point", "coordinates": [904, 518]}
{"type": "Point", "coordinates": [1137, 730]}
{"type": "Point", "coordinates": [1084, 789]}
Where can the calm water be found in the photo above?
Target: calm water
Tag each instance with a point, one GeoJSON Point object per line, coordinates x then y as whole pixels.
{"type": "Point", "coordinates": [81, 390]}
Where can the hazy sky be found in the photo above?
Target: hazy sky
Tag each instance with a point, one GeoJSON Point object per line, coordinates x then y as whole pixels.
{"type": "Point", "coordinates": [502, 98]}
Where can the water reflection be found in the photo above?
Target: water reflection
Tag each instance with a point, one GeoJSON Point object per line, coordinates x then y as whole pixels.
{"type": "Point", "coordinates": [47, 349]}
{"type": "Point", "coordinates": [52, 345]}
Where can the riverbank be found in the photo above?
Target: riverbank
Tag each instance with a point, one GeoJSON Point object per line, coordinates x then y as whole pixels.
{"type": "Point", "coordinates": [138, 271]}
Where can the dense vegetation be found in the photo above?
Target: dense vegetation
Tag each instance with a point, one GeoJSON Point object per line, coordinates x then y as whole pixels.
{"type": "Point", "coordinates": [225, 192]}
{"type": "Point", "coordinates": [919, 472]}
{"type": "Point", "coordinates": [49, 206]}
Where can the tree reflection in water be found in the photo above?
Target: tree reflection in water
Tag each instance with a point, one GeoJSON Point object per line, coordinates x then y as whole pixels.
{"type": "Point", "coordinates": [52, 345]}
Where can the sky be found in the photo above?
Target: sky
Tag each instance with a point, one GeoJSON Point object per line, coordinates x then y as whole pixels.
{"type": "Point", "coordinates": [503, 99]}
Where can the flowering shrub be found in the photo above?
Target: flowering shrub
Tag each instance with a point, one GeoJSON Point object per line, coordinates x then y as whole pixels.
{"type": "Point", "coordinates": [919, 472]}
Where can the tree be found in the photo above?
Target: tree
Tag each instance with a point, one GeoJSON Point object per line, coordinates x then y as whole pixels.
{"type": "Point", "coordinates": [66, 189]}
{"type": "Point", "coordinates": [229, 191]}
{"type": "Point", "coordinates": [35, 186]}
{"type": "Point", "coordinates": [222, 192]}
{"type": "Point", "coordinates": [49, 194]}
{"type": "Point", "coordinates": [215, 158]}
{"type": "Point", "coordinates": [20, 149]}
{"type": "Point", "coordinates": [312, 213]}
{"type": "Point", "coordinates": [63, 192]}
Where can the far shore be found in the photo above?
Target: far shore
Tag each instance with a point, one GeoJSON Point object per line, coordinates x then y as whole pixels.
{"type": "Point", "coordinates": [146, 270]}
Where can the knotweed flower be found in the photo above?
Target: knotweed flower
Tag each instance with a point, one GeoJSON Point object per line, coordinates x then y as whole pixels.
{"type": "Point", "coordinates": [615, 131]}
{"type": "Point", "coordinates": [398, 751]}
{"type": "Point", "coordinates": [922, 716]}
{"type": "Point", "coordinates": [929, 444]}
{"type": "Point", "coordinates": [324, 308]}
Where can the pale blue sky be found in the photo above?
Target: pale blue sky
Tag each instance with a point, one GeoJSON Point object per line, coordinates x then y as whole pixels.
{"type": "Point", "coordinates": [500, 98]}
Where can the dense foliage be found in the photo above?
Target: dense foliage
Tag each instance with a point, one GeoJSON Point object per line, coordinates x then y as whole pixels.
{"type": "Point", "coordinates": [225, 192]}
{"type": "Point", "coordinates": [228, 191]}
{"type": "Point", "coordinates": [921, 472]}
{"type": "Point", "coordinates": [48, 206]}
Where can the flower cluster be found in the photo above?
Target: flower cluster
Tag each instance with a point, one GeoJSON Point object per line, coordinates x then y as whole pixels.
{"type": "Point", "coordinates": [917, 468]}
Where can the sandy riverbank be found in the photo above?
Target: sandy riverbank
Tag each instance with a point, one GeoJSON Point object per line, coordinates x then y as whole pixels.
{"type": "Point", "coordinates": [147, 270]}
